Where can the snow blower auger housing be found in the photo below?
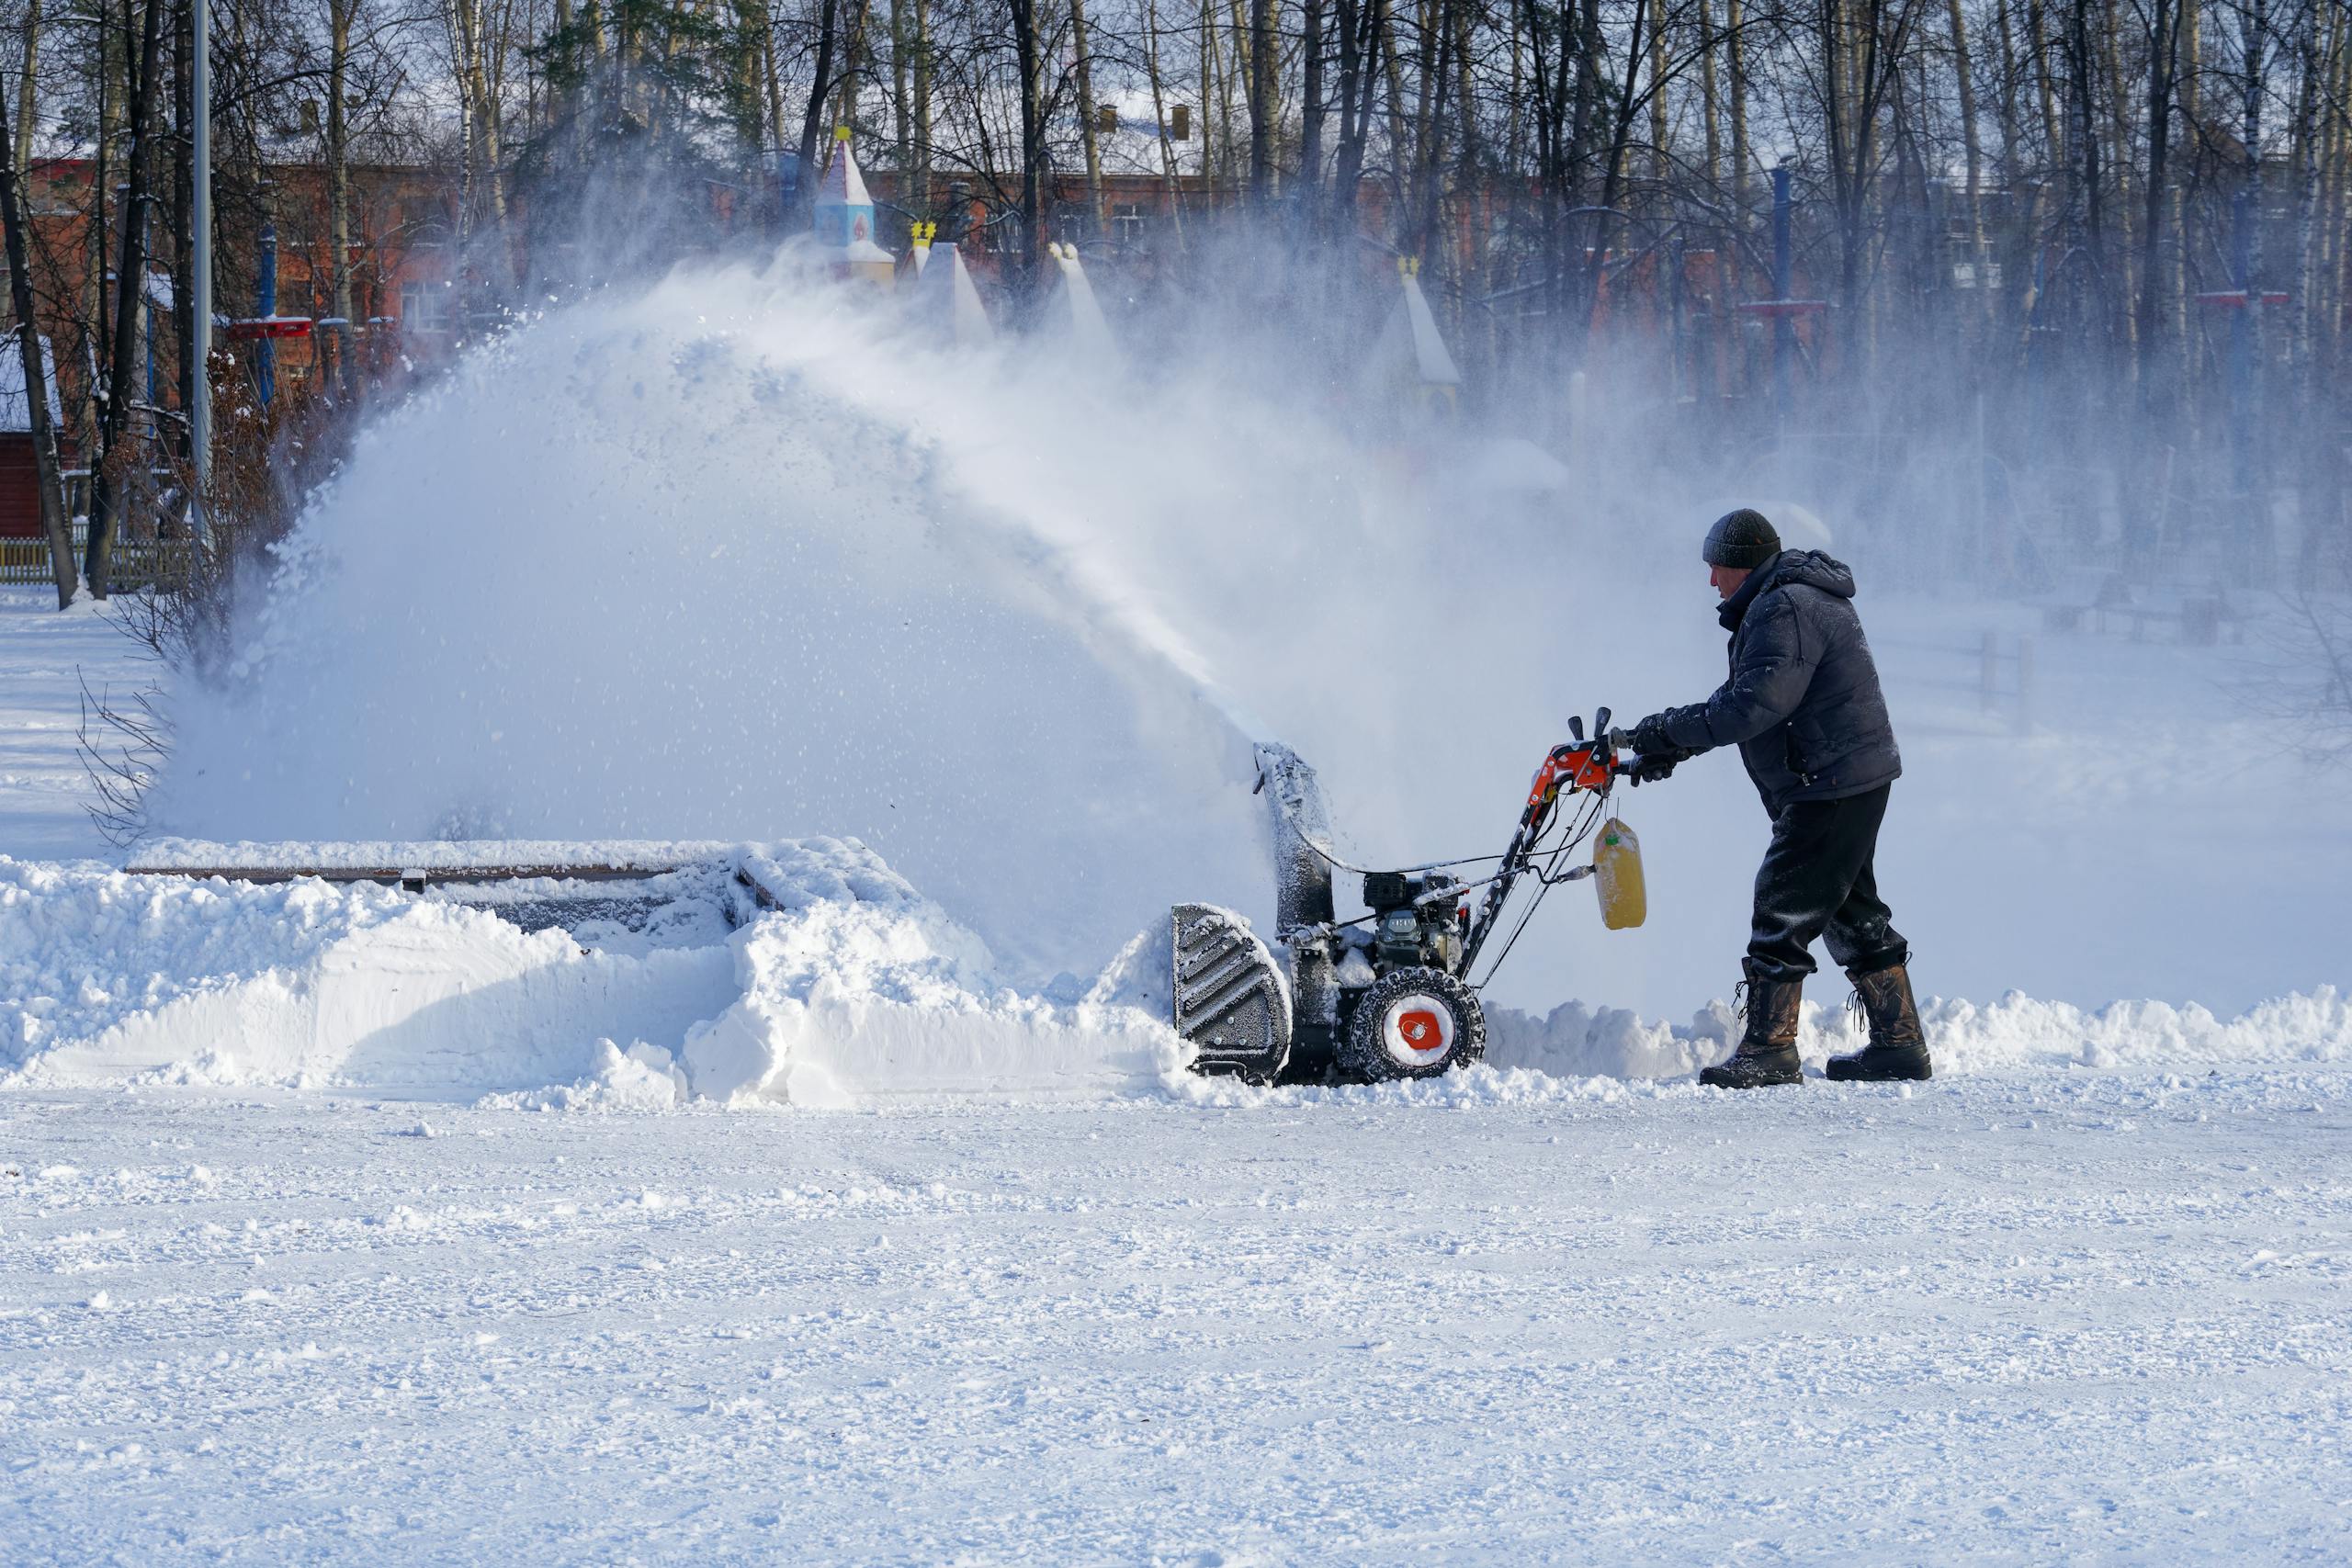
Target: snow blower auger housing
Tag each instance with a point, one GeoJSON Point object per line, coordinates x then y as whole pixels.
{"type": "Point", "coordinates": [1389, 994]}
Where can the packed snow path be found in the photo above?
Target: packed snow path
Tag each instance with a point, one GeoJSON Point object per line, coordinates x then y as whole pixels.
{"type": "Point", "coordinates": [2025, 1317]}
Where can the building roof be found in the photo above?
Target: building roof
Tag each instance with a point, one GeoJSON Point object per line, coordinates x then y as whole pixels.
{"type": "Point", "coordinates": [950, 298]}
{"type": "Point", "coordinates": [16, 418]}
{"type": "Point", "coordinates": [844, 185]}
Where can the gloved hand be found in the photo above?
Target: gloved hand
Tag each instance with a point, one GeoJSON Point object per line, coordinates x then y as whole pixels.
{"type": "Point", "coordinates": [1649, 737]}
{"type": "Point", "coordinates": [1651, 766]}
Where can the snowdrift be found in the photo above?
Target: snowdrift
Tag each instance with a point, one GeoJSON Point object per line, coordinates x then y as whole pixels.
{"type": "Point", "coordinates": [852, 987]}
{"type": "Point", "coordinates": [847, 987]}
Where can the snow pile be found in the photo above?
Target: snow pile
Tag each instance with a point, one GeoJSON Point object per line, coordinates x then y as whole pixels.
{"type": "Point", "coordinates": [2018, 1030]}
{"type": "Point", "coordinates": [861, 988]}
{"type": "Point", "coordinates": [643, 1077]}
{"type": "Point", "coordinates": [105, 975]}
{"type": "Point", "coordinates": [848, 986]}
{"type": "Point", "coordinates": [1576, 1042]}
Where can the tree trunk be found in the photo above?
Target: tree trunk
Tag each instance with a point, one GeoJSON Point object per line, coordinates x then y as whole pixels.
{"type": "Point", "coordinates": [491, 180]}
{"type": "Point", "coordinates": [182, 217]}
{"type": "Point", "coordinates": [2053, 144]}
{"type": "Point", "coordinates": [902, 123]}
{"type": "Point", "coordinates": [2303, 323]}
{"type": "Point", "coordinates": [853, 55]}
{"type": "Point", "coordinates": [812, 122]}
{"type": "Point", "coordinates": [773, 147]}
{"type": "Point", "coordinates": [1209, 94]}
{"type": "Point", "coordinates": [131, 280]}
{"type": "Point", "coordinates": [1354, 18]}
{"type": "Point", "coordinates": [2247, 325]}
{"type": "Point", "coordinates": [29, 86]}
{"type": "Point", "coordinates": [2163, 68]}
{"type": "Point", "coordinates": [1170, 187]}
{"type": "Point", "coordinates": [93, 339]}
{"type": "Point", "coordinates": [1736, 65]}
{"type": "Point", "coordinates": [1310, 137]}
{"type": "Point", "coordinates": [2087, 208]}
{"type": "Point", "coordinates": [1033, 134]}
{"type": "Point", "coordinates": [46, 477]}
{"type": "Point", "coordinates": [1620, 137]}
{"type": "Point", "coordinates": [1964, 74]}
{"type": "Point", "coordinates": [2192, 60]}
{"type": "Point", "coordinates": [1660, 167]}
{"type": "Point", "coordinates": [1265, 65]}
{"type": "Point", "coordinates": [1085, 69]}
{"type": "Point", "coordinates": [1425, 74]}
{"type": "Point", "coordinates": [1709, 103]}
{"type": "Point", "coordinates": [1392, 69]}
{"type": "Point", "coordinates": [2119, 133]}
{"type": "Point", "coordinates": [922, 104]}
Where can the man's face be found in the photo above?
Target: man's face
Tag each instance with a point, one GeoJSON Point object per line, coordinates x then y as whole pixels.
{"type": "Point", "coordinates": [1725, 580]}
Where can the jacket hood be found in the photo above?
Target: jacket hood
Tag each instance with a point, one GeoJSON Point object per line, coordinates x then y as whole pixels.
{"type": "Point", "coordinates": [1814, 570]}
{"type": "Point", "coordinates": [1811, 568]}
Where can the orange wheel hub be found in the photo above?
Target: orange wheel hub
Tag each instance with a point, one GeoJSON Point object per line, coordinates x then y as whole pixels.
{"type": "Point", "coordinates": [1421, 1028]}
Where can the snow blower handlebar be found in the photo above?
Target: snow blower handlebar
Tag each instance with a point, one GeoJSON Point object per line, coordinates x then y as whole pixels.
{"type": "Point", "coordinates": [1579, 765]}
{"type": "Point", "coordinates": [1595, 764]}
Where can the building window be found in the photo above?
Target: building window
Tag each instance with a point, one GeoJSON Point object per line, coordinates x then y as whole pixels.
{"type": "Point", "coordinates": [424, 306]}
{"type": "Point", "coordinates": [1128, 221]}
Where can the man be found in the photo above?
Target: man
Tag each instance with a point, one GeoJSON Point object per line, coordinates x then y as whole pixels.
{"type": "Point", "coordinates": [1804, 707]}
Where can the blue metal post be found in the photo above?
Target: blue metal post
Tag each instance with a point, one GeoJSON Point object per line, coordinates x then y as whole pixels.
{"type": "Point", "coordinates": [265, 306]}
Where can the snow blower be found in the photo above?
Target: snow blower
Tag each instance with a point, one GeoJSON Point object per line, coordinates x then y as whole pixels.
{"type": "Point", "coordinates": [1390, 994]}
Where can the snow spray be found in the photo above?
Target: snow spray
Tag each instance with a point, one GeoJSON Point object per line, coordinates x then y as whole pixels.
{"type": "Point", "coordinates": [745, 555]}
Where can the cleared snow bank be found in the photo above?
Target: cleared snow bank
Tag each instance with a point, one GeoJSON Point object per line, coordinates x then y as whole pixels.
{"type": "Point", "coordinates": [2018, 1030]}
{"type": "Point", "coordinates": [843, 986]}
{"type": "Point", "coordinates": [1574, 1041]}
{"type": "Point", "coordinates": [849, 987]}
{"type": "Point", "coordinates": [106, 976]}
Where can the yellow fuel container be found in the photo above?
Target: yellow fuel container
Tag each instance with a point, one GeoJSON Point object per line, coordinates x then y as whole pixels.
{"type": "Point", "coordinates": [1617, 874]}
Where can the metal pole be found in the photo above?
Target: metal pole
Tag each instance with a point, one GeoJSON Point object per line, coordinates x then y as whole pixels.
{"type": "Point", "coordinates": [266, 306]}
{"type": "Point", "coordinates": [199, 418]}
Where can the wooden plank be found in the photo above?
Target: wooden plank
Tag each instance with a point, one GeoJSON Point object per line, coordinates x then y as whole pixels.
{"type": "Point", "coordinates": [416, 875]}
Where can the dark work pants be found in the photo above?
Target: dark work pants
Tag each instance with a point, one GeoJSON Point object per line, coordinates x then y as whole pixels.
{"type": "Point", "coordinates": [1816, 881]}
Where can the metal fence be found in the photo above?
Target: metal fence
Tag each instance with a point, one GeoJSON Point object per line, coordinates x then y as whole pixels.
{"type": "Point", "coordinates": [2002, 682]}
{"type": "Point", "coordinates": [135, 563]}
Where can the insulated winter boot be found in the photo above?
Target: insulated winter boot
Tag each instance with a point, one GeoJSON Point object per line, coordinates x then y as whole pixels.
{"type": "Point", "coordinates": [1898, 1047]}
{"type": "Point", "coordinates": [1768, 1049]}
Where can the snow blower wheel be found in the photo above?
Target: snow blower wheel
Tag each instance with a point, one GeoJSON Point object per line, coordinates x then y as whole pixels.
{"type": "Point", "coordinates": [1415, 1023]}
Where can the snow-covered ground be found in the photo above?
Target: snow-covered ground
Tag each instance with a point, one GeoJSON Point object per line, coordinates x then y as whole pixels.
{"type": "Point", "coordinates": [2031, 1317]}
{"type": "Point", "coordinates": [45, 657]}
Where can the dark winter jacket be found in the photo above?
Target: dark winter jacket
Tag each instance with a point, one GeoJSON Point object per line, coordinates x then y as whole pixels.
{"type": "Point", "coordinates": [1803, 703]}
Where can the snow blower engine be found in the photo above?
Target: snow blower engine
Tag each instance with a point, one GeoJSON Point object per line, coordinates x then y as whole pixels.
{"type": "Point", "coordinates": [1391, 994]}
